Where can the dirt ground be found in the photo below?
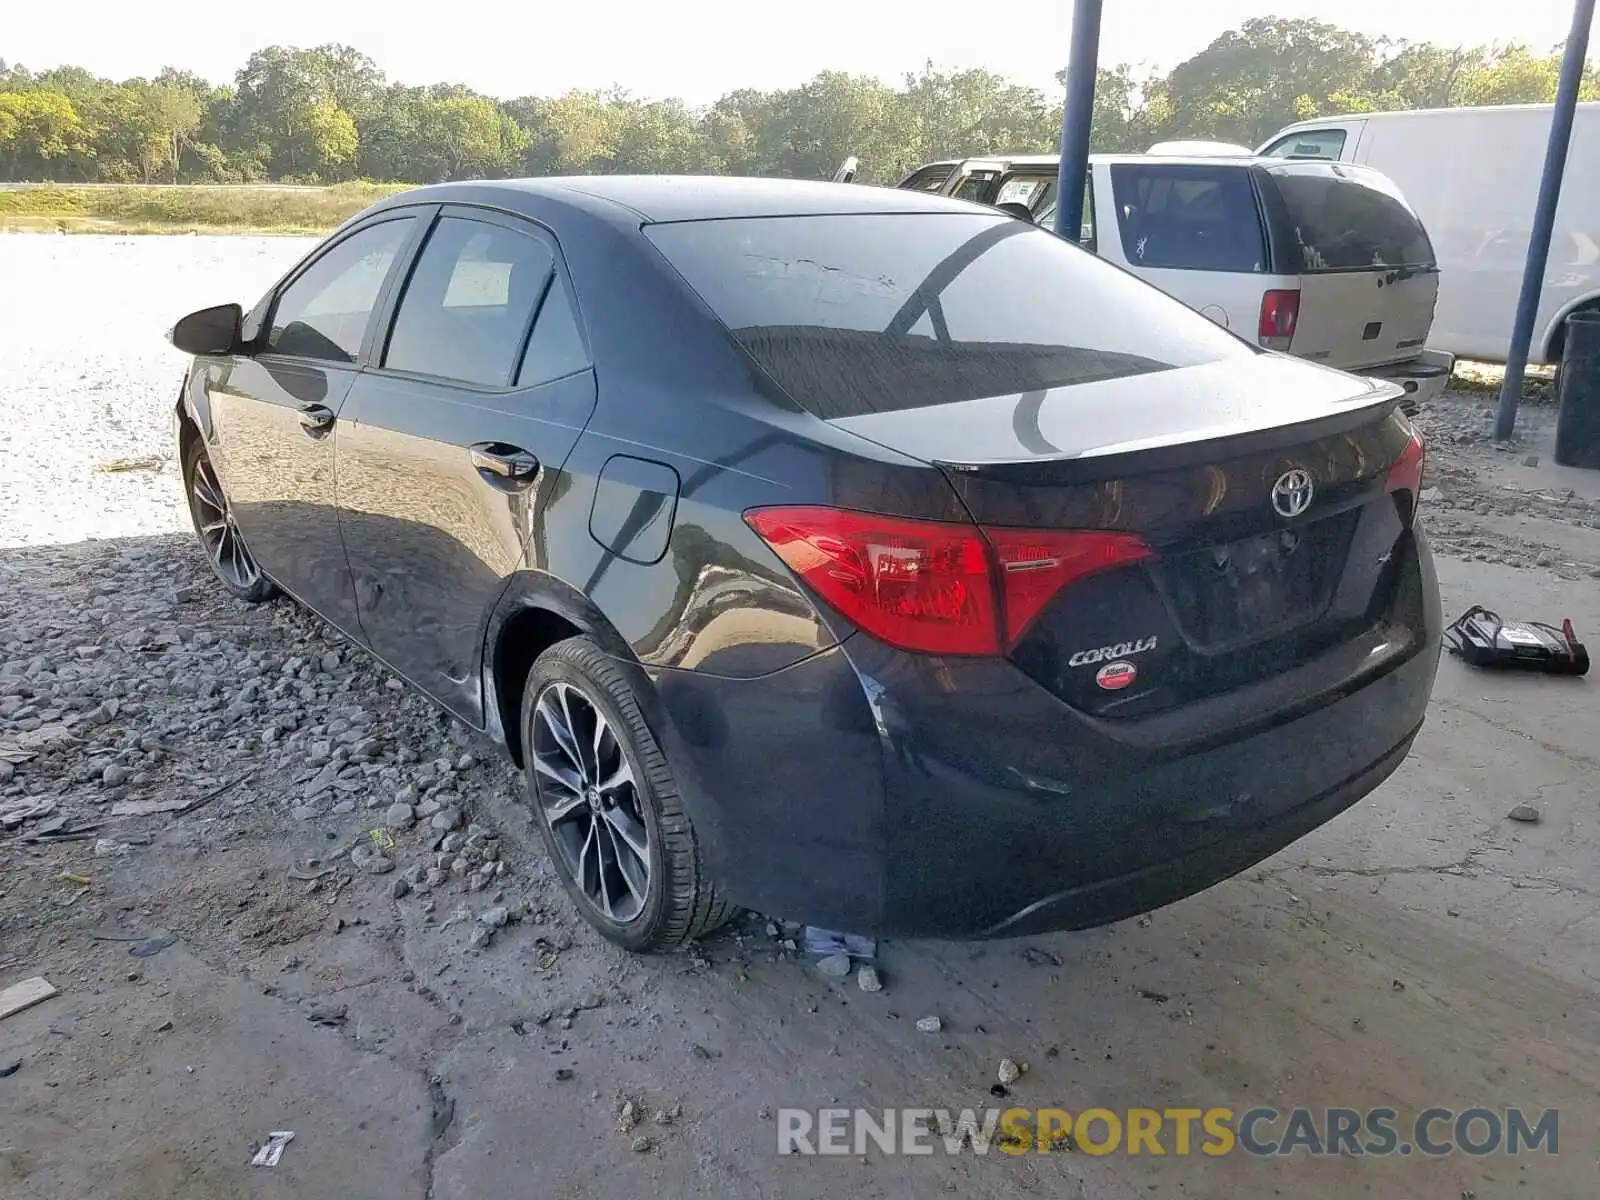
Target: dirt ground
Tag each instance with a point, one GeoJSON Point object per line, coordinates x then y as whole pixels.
{"type": "Point", "coordinates": [1421, 950]}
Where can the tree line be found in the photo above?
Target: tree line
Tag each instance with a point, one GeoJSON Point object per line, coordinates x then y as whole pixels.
{"type": "Point", "coordinates": [328, 114]}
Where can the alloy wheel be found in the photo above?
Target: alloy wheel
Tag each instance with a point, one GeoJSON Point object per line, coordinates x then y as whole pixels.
{"type": "Point", "coordinates": [218, 532]}
{"type": "Point", "coordinates": [590, 799]}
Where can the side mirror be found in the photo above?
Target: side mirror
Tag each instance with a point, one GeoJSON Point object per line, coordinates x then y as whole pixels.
{"type": "Point", "coordinates": [208, 331]}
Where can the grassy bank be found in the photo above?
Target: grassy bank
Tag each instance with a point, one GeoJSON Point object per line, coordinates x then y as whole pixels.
{"type": "Point", "coordinates": [134, 209]}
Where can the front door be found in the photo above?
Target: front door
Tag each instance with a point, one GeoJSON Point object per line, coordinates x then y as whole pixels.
{"type": "Point", "coordinates": [274, 413]}
{"type": "Point", "coordinates": [451, 443]}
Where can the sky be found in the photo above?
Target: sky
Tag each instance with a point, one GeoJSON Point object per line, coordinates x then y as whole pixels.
{"type": "Point", "coordinates": [700, 49]}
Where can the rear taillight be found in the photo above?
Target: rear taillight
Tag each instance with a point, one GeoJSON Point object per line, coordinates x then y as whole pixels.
{"type": "Point", "coordinates": [1035, 565]}
{"type": "Point", "coordinates": [1280, 309]}
{"type": "Point", "coordinates": [1406, 473]}
{"type": "Point", "coordinates": [936, 587]}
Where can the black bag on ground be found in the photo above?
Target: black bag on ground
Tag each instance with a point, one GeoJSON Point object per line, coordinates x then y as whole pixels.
{"type": "Point", "coordinates": [1484, 640]}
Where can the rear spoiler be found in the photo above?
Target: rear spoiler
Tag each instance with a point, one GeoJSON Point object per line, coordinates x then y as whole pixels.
{"type": "Point", "coordinates": [1156, 454]}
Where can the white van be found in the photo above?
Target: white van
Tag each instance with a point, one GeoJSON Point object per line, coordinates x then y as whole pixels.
{"type": "Point", "coordinates": [1472, 175]}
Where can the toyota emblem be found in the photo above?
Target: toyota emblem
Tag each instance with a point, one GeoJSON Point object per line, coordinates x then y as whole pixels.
{"type": "Point", "coordinates": [1292, 493]}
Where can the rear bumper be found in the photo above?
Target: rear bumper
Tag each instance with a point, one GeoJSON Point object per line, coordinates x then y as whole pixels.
{"type": "Point", "coordinates": [1164, 882]}
{"type": "Point", "coordinates": [902, 795]}
{"type": "Point", "coordinates": [1424, 378]}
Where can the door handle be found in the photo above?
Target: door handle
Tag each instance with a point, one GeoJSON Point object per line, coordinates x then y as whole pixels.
{"type": "Point", "coordinates": [316, 419]}
{"type": "Point", "coordinates": [501, 464]}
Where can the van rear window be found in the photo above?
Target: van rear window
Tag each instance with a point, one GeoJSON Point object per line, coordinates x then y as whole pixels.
{"type": "Point", "coordinates": [1189, 217]}
{"type": "Point", "coordinates": [1347, 219]}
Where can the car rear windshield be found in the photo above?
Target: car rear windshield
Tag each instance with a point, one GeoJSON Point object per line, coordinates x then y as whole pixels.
{"type": "Point", "coordinates": [1348, 219]}
{"type": "Point", "coordinates": [1189, 217]}
{"type": "Point", "coordinates": [858, 313]}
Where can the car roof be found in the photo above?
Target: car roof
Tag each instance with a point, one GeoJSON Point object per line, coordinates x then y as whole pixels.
{"type": "Point", "coordinates": [661, 198]}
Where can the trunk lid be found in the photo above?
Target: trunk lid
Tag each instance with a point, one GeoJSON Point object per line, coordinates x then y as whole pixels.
{"type": "Point", "coordinates": [1368, 277]}
{"type": "Point", "coordinates": [1356, 319]}
{"type": "Point", "coordinates": [1262, 490]}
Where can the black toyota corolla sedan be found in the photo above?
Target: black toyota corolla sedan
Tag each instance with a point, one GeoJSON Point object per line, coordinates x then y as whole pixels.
{"type": "Point", "coordinates": [862, 557]}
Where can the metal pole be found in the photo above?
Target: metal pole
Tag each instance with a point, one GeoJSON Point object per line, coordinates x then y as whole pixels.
{"type": "Point", "coordinates": [1544, 217]}
{"type": "Point", "coordinates": [1074, 169]}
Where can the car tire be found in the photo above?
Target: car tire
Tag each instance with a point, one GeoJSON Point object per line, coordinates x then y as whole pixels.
{"type": "Point", "coordinates": [571, 683]}
{"type": "Point", "coordinates": [230, 560]}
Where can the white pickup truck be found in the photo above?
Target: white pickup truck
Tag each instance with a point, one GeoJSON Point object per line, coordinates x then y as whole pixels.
{"type": "Point", "coordinates": [1325, 261]}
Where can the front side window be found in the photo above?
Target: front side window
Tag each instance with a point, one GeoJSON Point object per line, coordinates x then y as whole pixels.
{"type": "Point", "coordinates": [323, 313]}
{"type": "Point", "coordinates": [468, 307]}
{"type": "Point", "coordinates": [1189, 217]}
{"type": "Point", "coordinates": [1309, 143]}
{"type": "Point", "coordinates": [857, 313]}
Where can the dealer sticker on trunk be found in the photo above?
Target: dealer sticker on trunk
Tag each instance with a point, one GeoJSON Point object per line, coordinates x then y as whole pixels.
{"type": "Point", "coordinates": [1113, 677]}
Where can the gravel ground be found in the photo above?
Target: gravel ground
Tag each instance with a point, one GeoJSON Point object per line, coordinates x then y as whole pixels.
{"type": "Point", "coordinates": [90, 381]}
{"type": "Point", "coordinates": [370, 950]}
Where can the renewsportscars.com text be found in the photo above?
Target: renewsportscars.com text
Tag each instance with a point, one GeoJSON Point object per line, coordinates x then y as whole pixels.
{"type": "Point", "coordinates": [1375, 1132]}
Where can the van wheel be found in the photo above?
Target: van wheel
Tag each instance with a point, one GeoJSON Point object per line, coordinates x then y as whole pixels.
{"type": "Point", "coordinates": [609, 810]}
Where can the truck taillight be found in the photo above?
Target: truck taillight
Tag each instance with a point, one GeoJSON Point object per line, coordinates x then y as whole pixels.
{"type": "Point", "coordinates": [936, 587]}
{"type": "Point", "coordinates": [1280, 309]}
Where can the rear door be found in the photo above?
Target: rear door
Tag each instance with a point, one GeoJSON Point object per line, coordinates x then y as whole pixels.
{"type": "Point", "coordinates": [1194, 230]}
{"type": "Point", "coordinates": [451, 444]}
{"type": "Point", "coordinates": [1368, 276]}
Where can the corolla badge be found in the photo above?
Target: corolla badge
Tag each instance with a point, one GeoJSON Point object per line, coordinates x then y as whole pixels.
{"type": "Point", "coordinates": [1292, 492]}
{"type": "Point", "coordinates": [1084, 658]}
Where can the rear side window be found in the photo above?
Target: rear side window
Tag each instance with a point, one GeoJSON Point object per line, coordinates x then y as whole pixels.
{"type": "Point", "coordinates": [1346, 219]}
{"type": "Point", "coordinates": [973, 187]}
{"type": "Point", "coordinates": [554, 348]}
{"type": "Point", "coordinates": [1031, 190]}
{"type": "Point", "coordinates": [1044, 213]}
{"type": "Point", "coordinates": [1189, 217]}
{"type": "Point", "coordinates": [858, 313]}
{"type": "Point", "coordinates": [1309, 143]}
{"type": "Point", "coordinates": [469, 304]}
{"type": "Point", "coordinates": [930, 179]}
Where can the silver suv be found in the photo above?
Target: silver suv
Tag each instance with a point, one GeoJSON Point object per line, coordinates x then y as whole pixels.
{"type": "Point", "coordinates": [1325, 261]}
